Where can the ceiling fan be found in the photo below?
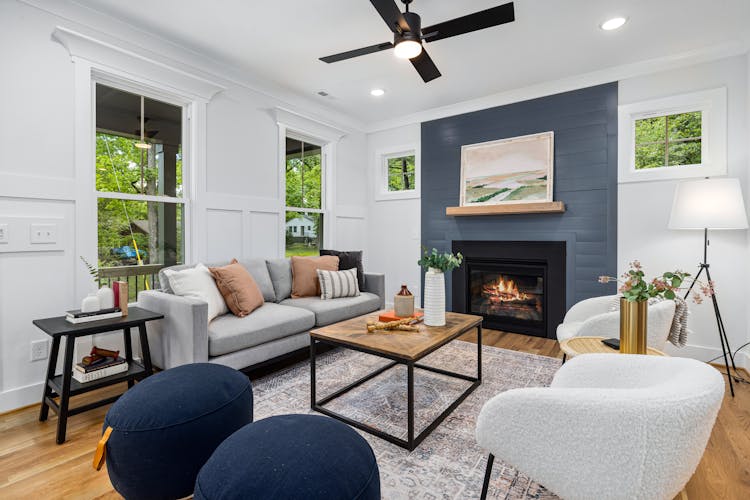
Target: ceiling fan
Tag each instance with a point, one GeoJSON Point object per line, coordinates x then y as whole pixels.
{"type": "Point", "coordinates": [408, 35]}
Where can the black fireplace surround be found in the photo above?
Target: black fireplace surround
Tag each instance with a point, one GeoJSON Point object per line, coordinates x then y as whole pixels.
{"type": "Point", "coordinates": [517, 286]}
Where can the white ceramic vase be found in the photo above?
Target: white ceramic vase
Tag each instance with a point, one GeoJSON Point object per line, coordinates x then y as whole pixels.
{"type": "Point", "coordinates": [434, 297]}
{"type": "Point", "coordinates": [106, 297]}
{"type": "Point", "coordinates": [90, 303]}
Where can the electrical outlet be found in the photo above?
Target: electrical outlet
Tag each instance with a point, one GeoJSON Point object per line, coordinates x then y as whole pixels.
{"type": "Point", "coordinates": [4, 236]}
{"type": "Point", "coordinates": [43, 233]}
{"type": "Point", "coordinates": [39, 350]}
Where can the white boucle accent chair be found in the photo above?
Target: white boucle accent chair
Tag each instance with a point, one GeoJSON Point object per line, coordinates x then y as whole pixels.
{"type": "Point", "coordinates": [610, 426]}
{"type": "Point", "coordinates": [594, 317]}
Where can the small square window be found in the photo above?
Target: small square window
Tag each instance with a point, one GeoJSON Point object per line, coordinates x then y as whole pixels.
{"type": "Point", "coordinates": [401, 173]}
{"type": "Point", "coordinates": [668, 141]}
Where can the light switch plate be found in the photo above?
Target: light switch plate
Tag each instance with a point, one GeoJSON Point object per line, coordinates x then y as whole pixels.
{"type": "Point", "coordinates": [4, 236]}
{"type": "Point", "coordinates": [43, 233]}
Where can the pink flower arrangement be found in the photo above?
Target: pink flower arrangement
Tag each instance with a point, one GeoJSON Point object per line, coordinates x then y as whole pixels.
{"type": "Point", "coordinates": [634, 286]}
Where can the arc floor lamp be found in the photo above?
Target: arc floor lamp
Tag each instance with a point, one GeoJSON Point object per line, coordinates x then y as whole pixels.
{"type": "Point", "coordinates": [714, 204]}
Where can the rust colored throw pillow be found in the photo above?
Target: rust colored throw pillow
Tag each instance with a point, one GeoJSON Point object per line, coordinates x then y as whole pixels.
{"type": "Point", "coordinates": [305, 281]}
{"type": "Point", "coordinates": [238, 288]}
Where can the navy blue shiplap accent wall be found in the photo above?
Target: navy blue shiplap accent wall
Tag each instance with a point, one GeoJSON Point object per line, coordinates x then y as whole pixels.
{"type": "Point", "coordinates": [585, 179]}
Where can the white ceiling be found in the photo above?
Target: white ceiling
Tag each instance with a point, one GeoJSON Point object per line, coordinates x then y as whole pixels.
{"type": "Point", "coordinates": [282, 40]}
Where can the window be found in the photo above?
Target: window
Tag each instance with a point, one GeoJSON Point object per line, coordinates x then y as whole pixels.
{"type": "Point", "coordinates": [401, 171]}
{"type": "Point", "coordinates": [668, 141]}
{"type": "Point", "coordinates": [304, 197]}
{"type": "Point", "coordinates": [139, 187]}
{"type": "Point", "coordinates": [671, 138]}
{"type": "Point", "coordinates": [398, 173]}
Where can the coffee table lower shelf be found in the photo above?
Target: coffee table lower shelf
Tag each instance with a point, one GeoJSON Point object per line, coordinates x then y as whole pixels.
{"type": "Point", "coordinates": [412, 440]}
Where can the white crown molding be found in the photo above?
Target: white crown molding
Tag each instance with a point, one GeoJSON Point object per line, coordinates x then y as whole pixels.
{"type": "Point", "coordinates": [108, 54]}
{"type": "Point", "coordinates": [102, 26]}
{"type": "Point", "coordinates": [99, 21]}
{"type": "Point", "coordinates": [307, 125]}
{"type": "Point", "coordinates": [613, 74]}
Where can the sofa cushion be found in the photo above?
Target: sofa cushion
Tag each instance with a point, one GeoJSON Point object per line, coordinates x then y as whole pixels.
{"type": "Point", "coordinates": [271, 321]}
{"type": "Point", "coordinates": [197, 283]}
{"type": "Point", "coordinates": [305, 281]}
{"type": "Point", "coordinates": [280, 271]}
{"type": "Point", "coordinates": [258, 270]}
{"type": "Point", "coordinates": [348, 260]}
{"type": "Point", "coordinates": [238, 288]}
{"type": "Point", "coordinates": [256, 267]}
{"type": "Point", "coordinates": [334, 310]}
{"type": "Point", "coordinates": [336, 284]}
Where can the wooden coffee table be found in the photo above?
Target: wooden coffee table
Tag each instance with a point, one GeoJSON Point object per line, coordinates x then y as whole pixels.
{"type": "Point", "coordinates": [587, 345]}
{"type": "Point", "coordinates": [406, 348]}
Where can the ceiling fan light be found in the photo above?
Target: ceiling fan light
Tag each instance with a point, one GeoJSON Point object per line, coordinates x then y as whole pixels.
{"type": "Point", "coordinates": [407, 49]}
{"type": "Point", "coordinates": [613, 24]}
{"type": "Point", "coordinates": [143, 145]}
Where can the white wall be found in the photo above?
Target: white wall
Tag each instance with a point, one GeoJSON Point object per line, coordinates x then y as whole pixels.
{"type": "Point", "coordinates": [393, 226]}
{"type": "Point", "coordinates": [238, 214]}
{"type": "Point", "coordinates": [644, 207]}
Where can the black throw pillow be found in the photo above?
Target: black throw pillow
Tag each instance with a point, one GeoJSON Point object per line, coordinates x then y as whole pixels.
{"type": "Point", "coordinates": [349, 260]}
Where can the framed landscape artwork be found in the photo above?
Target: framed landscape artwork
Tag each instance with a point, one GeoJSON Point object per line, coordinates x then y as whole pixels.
{"type": "Point", "coordinates": [514, 170]}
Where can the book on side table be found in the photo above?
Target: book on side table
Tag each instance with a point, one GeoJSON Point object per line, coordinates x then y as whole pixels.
{"type": "Point", "coordinates": [76, 316]}
{"type": "Point", "coordinates": [112, 366]}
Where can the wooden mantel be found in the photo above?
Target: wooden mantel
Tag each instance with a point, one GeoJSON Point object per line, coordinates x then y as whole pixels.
{"type": "Point", "coordinates": [507, 209]}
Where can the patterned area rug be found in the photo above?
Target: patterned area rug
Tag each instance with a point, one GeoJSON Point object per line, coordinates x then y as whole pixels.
{"type": "Point", "coordinates": [448, 464]}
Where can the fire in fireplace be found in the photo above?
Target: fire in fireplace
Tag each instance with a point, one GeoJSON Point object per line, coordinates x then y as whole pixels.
{"type": "Point", "coordinates": [510, 296]}
{"type": "Point", "coordinates": [517, 286]}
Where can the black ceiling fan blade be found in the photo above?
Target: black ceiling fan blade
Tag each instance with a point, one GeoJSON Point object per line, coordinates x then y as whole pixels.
{"type": "Point", "coordinates": [391, 14]}
{"type": "Point", "coordinates": [473, 22]}
{"type": "Point", "coordinates": [357, 52]}
{"type": "Point", "coordinates": [425, 66]}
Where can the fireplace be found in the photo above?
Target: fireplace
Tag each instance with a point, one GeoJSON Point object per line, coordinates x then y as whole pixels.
{"type": "Point", "coordinates": [517, 286]}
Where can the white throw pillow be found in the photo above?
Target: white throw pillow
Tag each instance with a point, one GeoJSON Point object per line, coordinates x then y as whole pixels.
{"type": "Point", "coordinates": [198, 283]}
{"type": "Point", "coordinates": [336, 284]}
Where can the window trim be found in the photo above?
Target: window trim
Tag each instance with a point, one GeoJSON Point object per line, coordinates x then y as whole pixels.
{"type": "Point", "coordinates": [326, 154]}
{"type": "Point", "coordinates": [186, 105]}
{"type": "Point", "coordinates": [381, 185]}
{"type": "Point", "coordinates": [713, 107]}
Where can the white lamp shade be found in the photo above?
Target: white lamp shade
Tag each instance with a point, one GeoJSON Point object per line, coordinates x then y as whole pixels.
{"type": "Point", "coordinates": [708, 203]}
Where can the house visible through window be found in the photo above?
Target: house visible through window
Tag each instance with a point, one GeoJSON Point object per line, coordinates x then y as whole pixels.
{"type": "Point", "coordinates": [401, 172]}
{"type": "Point", "coordinates": [139, 187]}
{"type": "Point", "coordinates": [304, 195]}
{"type": "Point", "coordinates": [668, 141]}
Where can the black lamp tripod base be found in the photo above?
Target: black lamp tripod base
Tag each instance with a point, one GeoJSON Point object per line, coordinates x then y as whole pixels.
{"type": "Point", "coordinates": [725, 349]}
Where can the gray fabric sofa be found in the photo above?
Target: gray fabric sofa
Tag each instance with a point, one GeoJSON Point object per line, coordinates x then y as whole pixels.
{"type": "Point", "coordinates": [279, 327]}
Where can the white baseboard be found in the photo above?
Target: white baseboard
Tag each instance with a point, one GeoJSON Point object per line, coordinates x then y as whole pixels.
{"type": "Point", "coordinates": [705, 353]}
{"type": "Point", "coordinates": [21, 396]}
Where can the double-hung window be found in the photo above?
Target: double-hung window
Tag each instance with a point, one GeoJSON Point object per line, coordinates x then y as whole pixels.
{"type": "Point", "coordinates": [140, 186]}
{"type": "Point", "coordinates": [304, 196]}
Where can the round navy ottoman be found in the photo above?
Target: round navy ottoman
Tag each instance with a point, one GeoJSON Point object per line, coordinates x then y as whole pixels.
{"type": "Point", "coordinates": [291, 457]}
{"type": "Point", "coordinates": [167, 426]}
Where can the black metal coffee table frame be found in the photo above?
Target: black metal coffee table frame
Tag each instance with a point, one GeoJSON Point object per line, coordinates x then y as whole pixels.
{"type": "Point", "coordinates": [412, 441]}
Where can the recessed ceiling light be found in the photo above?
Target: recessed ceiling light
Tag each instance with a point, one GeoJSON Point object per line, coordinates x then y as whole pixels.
{"type": "Point", "coordinates": [377, 92]}
{"type": "Point", "coordinates": [613, 24]}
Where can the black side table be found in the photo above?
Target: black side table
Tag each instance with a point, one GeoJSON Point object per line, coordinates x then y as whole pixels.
{"type": "Point", "coordinates": [65, 386]}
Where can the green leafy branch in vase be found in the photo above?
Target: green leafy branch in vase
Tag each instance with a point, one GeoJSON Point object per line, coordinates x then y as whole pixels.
{"type": "Point", "coordinates": [635, 288]}
{"type": "Point", "coordinates": [444, 261]}
{"type": "Point", "coordinates": [92, 270]}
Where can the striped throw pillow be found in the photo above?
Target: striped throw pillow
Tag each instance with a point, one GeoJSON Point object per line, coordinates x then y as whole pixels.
{"type": "Point", "coordinates": [336, 284]}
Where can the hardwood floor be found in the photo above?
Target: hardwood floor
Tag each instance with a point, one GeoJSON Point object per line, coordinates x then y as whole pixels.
{"type": "Point", "coordinates": [33, 466]}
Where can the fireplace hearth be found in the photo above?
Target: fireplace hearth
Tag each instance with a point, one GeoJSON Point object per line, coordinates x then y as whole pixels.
{"type": "Point", "coordinates": [517, 286]}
